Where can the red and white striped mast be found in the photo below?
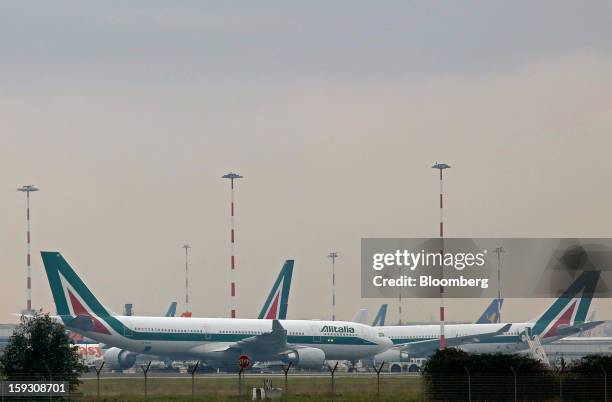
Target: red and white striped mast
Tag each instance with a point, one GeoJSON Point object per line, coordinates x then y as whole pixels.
{"type": "Point", "coordinates": [28, 189]}
{"type": "Point", "coordinates": [441, 167]}
{"type": "Point", "coordinates": [187, 311]}
{"type": "Point", "coordinates": [232, 176]}
{"type": "Point", "coordinates": [333, 255]}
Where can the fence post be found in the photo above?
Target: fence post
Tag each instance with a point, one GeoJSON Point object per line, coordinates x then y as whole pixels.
{"type": "Point", "coordinates": [286, 370]}
{"type": "Point", "coordinates": [469, 383]}
{"type": "Point", "coordinates": [561, 372]}
{"type": "Point", "coordinates": [332, 371]}
{"type": "Point", "coordinates": [145, 371]}
{"type": "Point", "coordinates": [194, 368]}
{"type": "Point", "coordinates": [605, 373]}
{"type": "Point", "coordinates": [423, 385]}
{"type": "Point", "coordinates": [378, 370]}
{"type": "Point", "coordinates": [514, 371]}
{"type": "Point", "coordinates": [98, 370]}
{"type": "Point", "coordinates": [240, 382]}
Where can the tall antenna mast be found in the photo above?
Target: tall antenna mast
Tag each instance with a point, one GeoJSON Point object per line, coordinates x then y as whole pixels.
{"type": "Point", "coordinates": [441, 167]}
{"type": "Point", "coordinates": [187, 247]}
{"type": "Point", "coordinates": [333, 255]}
{"type": "Point", "coordinates": [232, 176]}
{"type": "Point", "coordinates": [499, 251]}
{"type": "Point", "coordinates": [28, 189]}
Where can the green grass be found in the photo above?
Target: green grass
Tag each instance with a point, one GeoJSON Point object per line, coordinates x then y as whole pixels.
{"type": "Point", "coordinates": [226, 389]}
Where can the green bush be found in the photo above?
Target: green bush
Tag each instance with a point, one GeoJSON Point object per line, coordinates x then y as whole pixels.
{"type": "Point", "coordinates": [40, 350]}
{"type": "Point", "coordinates": [449, 374]}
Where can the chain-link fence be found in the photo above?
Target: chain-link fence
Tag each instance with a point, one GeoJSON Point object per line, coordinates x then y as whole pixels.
{"type": "Point", "coordinates": [515, 387]}
{"type": "Point", "coordinates": [320, 386]}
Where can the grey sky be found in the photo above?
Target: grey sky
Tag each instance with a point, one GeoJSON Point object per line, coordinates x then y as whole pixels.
{"type": "Point", "coordinates": [127, 114]}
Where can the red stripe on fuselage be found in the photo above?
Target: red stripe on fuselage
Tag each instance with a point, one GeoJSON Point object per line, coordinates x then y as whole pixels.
{"type": "Point", "coordinates": [79, 309]}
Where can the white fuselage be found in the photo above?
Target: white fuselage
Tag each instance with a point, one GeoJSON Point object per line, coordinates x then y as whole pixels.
{"type": "Point", "coordinates": [509, 341]}
{"type": "Point", "coordinates": [213, 338]}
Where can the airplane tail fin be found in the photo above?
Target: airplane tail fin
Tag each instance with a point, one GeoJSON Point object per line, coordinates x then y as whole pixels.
{"type": "Point", "coordinates": [571, 308]}
{"type": "Point", "coordinates": [360, 316]}
{"type": "Point", "coordinates": [277, 302]}
{"type": "Point", "coordinates": [379, 320]}
{"type": "Point", "coordinates": [491, 313]}
{"type": "Point", "coordinates": [74, 302]}
{"type": "Point", "coordinates": [171, 310]}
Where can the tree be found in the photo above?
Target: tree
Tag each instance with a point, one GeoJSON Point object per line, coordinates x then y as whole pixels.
{"type": "Point", "coordinates": [590, 364]}
{"type": "Point", "coordinates": [39, 350]}
{"type": "Point", "coordinates": [454, 375]}
{"type": "Point", "coordinates": [588, 378]}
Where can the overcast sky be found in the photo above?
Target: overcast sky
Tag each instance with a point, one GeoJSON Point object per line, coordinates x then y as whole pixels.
{"type": "Point", "coordinates": [126, 114]}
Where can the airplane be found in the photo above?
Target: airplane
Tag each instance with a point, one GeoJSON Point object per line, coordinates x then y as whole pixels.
{"type": "Point", "coordinates": [304, 343]}
{"type": "Point", "coordinates": [565, 317]}
{"type": "Point", "coordinates": [275, 307]}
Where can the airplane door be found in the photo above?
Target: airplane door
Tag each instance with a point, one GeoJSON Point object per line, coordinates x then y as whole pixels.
{"type": "Point", "coordinates": [316, 335]}
{"type": "Point", "coordinates": [207, 335]}
{"type": "Point", "coordinates": [127, 331]}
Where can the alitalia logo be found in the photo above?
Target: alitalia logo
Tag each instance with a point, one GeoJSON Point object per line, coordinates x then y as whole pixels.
{"type": "Point", "coordinates": [344, 329]}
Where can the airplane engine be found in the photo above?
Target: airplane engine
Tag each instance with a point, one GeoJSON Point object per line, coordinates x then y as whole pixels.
{"type": "Point", "coordinates": [391, 355]}
{"type": "Point", "coordinates": [307, 358]}
{"type": "Point", "coordinates": [119, 359]}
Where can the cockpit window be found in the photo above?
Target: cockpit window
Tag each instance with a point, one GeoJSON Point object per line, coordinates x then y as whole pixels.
{"type": "Point", "coordinates": [381, 334]}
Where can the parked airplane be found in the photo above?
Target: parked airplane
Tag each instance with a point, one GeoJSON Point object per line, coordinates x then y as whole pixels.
{"type": "Point", "coordinates": [565, 317]}
{"type": "Point", "coordinates": [304, 343]}
{"type": "Point", "coordinates": [275, 307]}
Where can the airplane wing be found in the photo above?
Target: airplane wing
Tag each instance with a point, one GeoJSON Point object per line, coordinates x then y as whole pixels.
{"type": "Point", "coordinates": [427, 346]}
{"type": "Point", "coordinates": [574, 329]}
{"type": "Point", "coordinates": [272, 342]}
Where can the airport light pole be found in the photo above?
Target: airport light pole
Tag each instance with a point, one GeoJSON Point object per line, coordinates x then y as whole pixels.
{"type": "Point", "coordinates": [28, 189]}
{"type": "Point", "coordinates": [399, 298]}
{"type": "Point", "coordinates": [333, 255]}
{"type": "Point", "coordinates": [186, 247]}
{"type": "Point", "coordinates": [441, 167]}
{"type": "Point", "coordinates": [499, 251]}
{"type": "Point", "coordinates": [231, 177]}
